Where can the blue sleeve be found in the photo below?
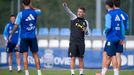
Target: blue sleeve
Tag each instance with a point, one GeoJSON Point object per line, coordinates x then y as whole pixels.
{"type": "Point", "coordinates": [127, 23]}
{"type": "Point", "coordinates": [19, 36]}
{"type": "Point", "coordinates": [18, 19]}
{"type": "Point", "coordinates": [19, 39]}
{"type": "Point", "coordinates": [5, 34]}
{"type": "Point", "coordinates": [107, 23]}
{"type": "Point", "coordinates": [38, 11]}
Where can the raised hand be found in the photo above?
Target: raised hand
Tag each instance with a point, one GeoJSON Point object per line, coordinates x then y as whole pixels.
{"type": "Point", "coordinates": [64, 4]}
{"type": "Point", "coordinates": [122, 42]}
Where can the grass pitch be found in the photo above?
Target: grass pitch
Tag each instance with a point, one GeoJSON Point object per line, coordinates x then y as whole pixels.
{"type": "Point", "coordinates": [62, 72]}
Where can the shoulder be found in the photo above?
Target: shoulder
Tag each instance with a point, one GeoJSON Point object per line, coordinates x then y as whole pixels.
{"type": "Point", "coordinates": [86, 21]}
{"type": "Point", "coordinates": [108, 15]}
{"type": "Point", "coordinates": [8, 24]}
{"type": "Point", "coordinates": [20, 14]}
{"type": "Point", "coordinates": [38, 11]}
{"type": "Point", "coordinates": [124, 13]}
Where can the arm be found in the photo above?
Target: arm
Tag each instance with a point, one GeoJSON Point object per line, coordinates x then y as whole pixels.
{"type": "Point", "coordinates": [17, 22]}
{"type": "Point", "coordinates": [87, 28]}
{"type": "Point", "coordinates": [38, 11]}
{"type": "Point", "coordinates": [107, 23]}
{"type": "Point", "coordinates": [69, 12]}
{"type": "Point", "coordinates": [15, 28]}
{"type": "Point", "coordinates": [33, 7]}
{"type": "Point", "coordinates": [18, 37]}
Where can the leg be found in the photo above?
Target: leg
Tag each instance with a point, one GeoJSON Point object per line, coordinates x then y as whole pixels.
{"type": "Point", "coordinates": [104, 59]}
{"type": "Point", "coordinates": [24, 50]}
{"type": "Point", "coordinates": [114, 63]}
{"type": "Point", "coordinates": [34, 49]}
{"type": "Point", "coordinates": [72, 65]}
{"type": "Point", "coordinates": [72, 53]}
{"type": "Point", "coordinates": [118, 56]}
{"type": "Point", "coordinates": [10, 61]}
{"type": "Point", "coordinates": [18, 60]}
{"type": "Point", "coordinates": [105, 63]}
{"type": "Point", "coordinates": [81, 65]}
{"type": "Point", "coordinates": [25, 60]}
{"type": "Point", "coordinates": [80, 53]}
{"type": "Point", "coordinates": [37, 61]}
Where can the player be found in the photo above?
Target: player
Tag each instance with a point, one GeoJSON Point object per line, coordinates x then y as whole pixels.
{"type": "Point", "coordinates": [13, 44]}
{"type": "Point", "coordinates": [125, 26]}
{"type": "Point", "coordinates": [27, 21]}
{"type": "Point", "coordinates": [113, 33]}
{"type": "Point", "coordinates": [79, 27]}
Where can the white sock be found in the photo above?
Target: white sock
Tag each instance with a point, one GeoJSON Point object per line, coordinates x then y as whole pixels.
{"type": "Point", "coordinates": [10, 68]}
{"type": "Point", "coordinates": [39, 72]}
{"type": "Point", "coordinates": [72, 71]}
{"type": "Point", "coordinates": [104, 70]}
{"type": "Point", "coordinates": [116, 72]}
{"type": "Point", "coordinates": [26, 72]}
{"type": "Point", "coordinates": [19, 68]}
{"type": "Point", "coordinates": [81, 71]}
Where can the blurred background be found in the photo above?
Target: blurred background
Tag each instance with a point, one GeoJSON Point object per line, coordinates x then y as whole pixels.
{"type": "Point", "coordinates": [53, 31]}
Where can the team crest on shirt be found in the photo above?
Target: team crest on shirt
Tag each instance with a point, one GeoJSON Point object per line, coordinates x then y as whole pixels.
{"type": "Point", "coordinates": [108, 43]}
{"type": "Point", "coordinates": [10, 28]}
{"type": "Point", "coordinates": [82, 26]}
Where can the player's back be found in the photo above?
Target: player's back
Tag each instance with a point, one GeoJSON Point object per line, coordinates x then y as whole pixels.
{"type": "Point", "coordinates": [124, 25]}
{"type": "Point", "coordinates": [124, 17]}
{"type": "Point", "coordinates": [28, 23]}
{"type": "Point", "coordinates": [115, 32]}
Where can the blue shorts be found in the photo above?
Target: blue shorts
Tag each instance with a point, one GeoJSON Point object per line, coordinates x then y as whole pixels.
{"type": "Point", "coordinates": [11, 47]}
{"type": "Point", "coordinates": [28, 43]}
{"type": "Point", "coordinates": [111, 48]}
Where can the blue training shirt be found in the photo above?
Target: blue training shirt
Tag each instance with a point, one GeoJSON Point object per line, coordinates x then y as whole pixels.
{"type": "Point", "coordinates": [27, 21]}
{"type": "Point", "coordinates": [124, 17]}
{"type": "Point", "coordinates": [8, 29]}
{"type": "Point", "coordinates": [116, 22]}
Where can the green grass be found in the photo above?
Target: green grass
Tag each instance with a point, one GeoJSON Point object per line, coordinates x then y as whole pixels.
{"type": "Point", "coordinates": [61, 72]}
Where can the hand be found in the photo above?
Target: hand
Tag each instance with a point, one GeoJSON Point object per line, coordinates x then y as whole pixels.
{"type": "Point", "coordinates": [32, 7]}
{"type": "Point", "coordinates": [10, 37]}
{"type": "Point", "coordinates": [17, 46]}
{"type": "Point", "coordinates": [122, 42]}
{"type": "Point", "coordinates": [64, 4]}
{"type": "Point", "coordinates": [6, 41]}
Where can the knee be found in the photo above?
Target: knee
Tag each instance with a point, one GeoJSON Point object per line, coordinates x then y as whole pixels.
{"type": "Point", "coordinates": [80, 59]}
{"type": "Point", "coordinates": [72, 58]}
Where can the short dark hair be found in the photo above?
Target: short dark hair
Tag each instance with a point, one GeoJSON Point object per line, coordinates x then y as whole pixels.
{"type": "Point", "coordinates": [12, 15]}
{"type": "Point", "coordinates": [109, 3]}
{"type": "Point", "coordinates": [82, 8]}
{"type": "Point", "coordinates": [26, 2]}
{"type": "Point", "coordinates": [116, 3]}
